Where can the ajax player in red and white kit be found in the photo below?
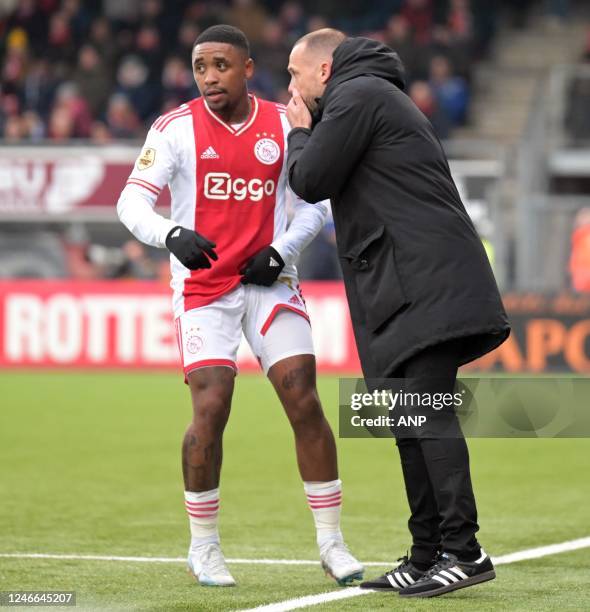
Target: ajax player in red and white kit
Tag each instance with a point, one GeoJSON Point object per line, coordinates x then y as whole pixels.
{"type": "Point", "coordinates": [232, 256]}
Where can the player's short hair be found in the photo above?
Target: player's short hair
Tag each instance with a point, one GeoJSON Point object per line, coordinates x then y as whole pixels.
{"type": "Point", "coordinates": [322, 41]}
{"type": "Point", "coordinates": [224, 34]}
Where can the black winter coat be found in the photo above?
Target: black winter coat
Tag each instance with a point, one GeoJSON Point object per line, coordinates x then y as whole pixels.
{"type": "Point", "coordinates": [415, 270]}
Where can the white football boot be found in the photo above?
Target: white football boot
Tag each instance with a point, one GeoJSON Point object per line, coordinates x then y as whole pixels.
{"type": "Point", "coordinates": [207, 564]}
{"type": "Point", "coordinates": [339, 563]}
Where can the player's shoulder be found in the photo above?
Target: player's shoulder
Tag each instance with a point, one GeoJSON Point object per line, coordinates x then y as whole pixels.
{"type": "Point", "coordinates": [270, 111]}
{"type": "Point", "coordinates": [269, 106]}
{"type": "Point", "coordinates": [170, 118]}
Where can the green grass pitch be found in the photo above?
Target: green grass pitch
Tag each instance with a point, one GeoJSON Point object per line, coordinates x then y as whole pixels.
{"type": "Point", "coordinates": [90, 464]}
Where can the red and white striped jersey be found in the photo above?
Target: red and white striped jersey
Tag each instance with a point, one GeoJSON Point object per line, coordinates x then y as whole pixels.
{"type": "Point", "coordinates": [227, 182]}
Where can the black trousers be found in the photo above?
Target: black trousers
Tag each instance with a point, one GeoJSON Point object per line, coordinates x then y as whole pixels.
{"type": "Point", "coordinates": [436, 470]}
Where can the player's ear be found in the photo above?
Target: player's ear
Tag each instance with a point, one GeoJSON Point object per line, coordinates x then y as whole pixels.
{"type": "Point", "coordinates": [249, 68]}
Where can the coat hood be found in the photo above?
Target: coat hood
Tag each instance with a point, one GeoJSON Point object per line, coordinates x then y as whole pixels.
{"type": "Point", "coordinates": [360, 57]}
{"type": "Point", "coordinates": [363, 56]}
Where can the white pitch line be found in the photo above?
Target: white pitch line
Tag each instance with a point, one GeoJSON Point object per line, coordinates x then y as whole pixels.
{"type": "Point", "coordinates": [320, 598]}
{"type": "Point", "coordinates": [171, 559]}
{"type": "Point", "coordinates": [542, 551]}
{"type": "Point", "coordinates": [91, 557]}
{"type": "Point", "coordinates": [310, 600]}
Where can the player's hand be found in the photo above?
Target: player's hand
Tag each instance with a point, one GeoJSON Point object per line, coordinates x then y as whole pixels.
{"type": "Point", "coordinates": [263, 269]}
{"type": "Point", "coordinates": [190, 248]}
{"type": "Point", "coordinates": [298, 114]}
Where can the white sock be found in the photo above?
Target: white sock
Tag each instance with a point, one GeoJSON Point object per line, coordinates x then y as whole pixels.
{"type": "Point", "coordinates": [202, 509]}
{"type": "Point", "coordinates": [325, 503]}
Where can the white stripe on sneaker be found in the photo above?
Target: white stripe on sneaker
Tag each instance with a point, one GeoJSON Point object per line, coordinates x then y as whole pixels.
{"type": "Point", "coordinates": [401, 580]}
{"type": "Point", "coordinates": [459, 573]}
{"type": "Point", "coordinates": [483, 555]}
{"type": "Point", "coordinates": [409, 578]}
{"type": "Point", "coordinates": [449, 576]}
{"type": "Point", "coordinates": [441, 580]}
{"type": "Point", "coordinates": [392, 581]}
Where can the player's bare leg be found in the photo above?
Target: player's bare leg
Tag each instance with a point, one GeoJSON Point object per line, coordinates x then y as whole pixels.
{"type": "Point", "coordinates": [202, 452]}
{"type": "Point", "coordinates": [294, 380]}
{"type": "Point", "coordinates": [202, 449]}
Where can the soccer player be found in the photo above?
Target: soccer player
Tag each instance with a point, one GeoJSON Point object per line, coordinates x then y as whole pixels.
{"type": "Point", "coordinates": [223, 156]}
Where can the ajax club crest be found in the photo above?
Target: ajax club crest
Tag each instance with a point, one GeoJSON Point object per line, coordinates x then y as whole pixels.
{"type": "Point", "coordinates": [194, 342]}
{"type": "Point", "coordinates": [267, 151]}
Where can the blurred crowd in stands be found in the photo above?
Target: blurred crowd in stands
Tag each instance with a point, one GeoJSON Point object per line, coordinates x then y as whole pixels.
{"type": "Point", "coordinates": [577, 117]}
{"type": "Point", "coordinates": [105, 69]}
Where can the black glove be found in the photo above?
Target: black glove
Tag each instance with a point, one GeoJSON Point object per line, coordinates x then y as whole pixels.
{"type": "Point", "coordinates": [190, 248]}
{"type": "Point", "coordinates": [263, 269]}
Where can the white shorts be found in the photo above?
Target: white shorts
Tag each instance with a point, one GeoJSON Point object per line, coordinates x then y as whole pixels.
{"type": "Point", "coordinates": [210, 335]}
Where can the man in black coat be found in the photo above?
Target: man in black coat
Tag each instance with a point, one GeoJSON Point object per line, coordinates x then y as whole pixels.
{"type": "Point", "coordinates": [422, 296]}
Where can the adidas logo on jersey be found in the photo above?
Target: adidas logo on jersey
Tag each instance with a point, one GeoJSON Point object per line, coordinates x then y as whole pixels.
{"type": "Point", "coordinates": [209, 153]}
{"type": "Point", "coordinates": [295, 300]}
{"type": "Point", "coordinates": [273, 263]}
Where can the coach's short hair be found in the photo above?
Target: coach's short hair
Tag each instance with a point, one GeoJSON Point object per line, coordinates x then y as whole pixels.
{"type": "Point", "coordinates": [322, 41]}
{"type": "Point", "coordinates": [224, 34]}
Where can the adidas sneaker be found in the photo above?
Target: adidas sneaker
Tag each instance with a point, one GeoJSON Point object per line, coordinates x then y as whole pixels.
{"type": "Point", "coordinates": [450, 574]}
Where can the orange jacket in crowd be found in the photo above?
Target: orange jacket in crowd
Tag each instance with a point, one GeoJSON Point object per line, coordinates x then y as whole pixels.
{"type": "Point", "coordinates": [580, 259]}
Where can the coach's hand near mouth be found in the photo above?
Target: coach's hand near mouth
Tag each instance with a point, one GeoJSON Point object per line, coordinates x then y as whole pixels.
{"type": "Point", "coordinates": [298, 114]}
{"type": "Point", "coordinates": [263, 269]}
{"type": "Point", "coordinates": [190, 248]}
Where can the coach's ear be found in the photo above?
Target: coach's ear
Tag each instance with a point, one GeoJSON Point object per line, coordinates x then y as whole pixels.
{"type": "Point", "coordinates": [325, 71]}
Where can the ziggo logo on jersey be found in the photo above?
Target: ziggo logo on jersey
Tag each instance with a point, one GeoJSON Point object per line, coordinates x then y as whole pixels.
{"type": "Point", "coordinates": [221, 186]}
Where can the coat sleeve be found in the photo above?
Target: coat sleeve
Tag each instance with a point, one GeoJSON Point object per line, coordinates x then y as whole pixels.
{"type": "Point", "coordinates": [320, 161]}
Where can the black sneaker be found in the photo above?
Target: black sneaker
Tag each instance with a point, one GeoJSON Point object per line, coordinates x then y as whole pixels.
{"type": "Point", "coordinates": [450, 574]}
{"type": "Point", "coordinates": [405, 574]}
